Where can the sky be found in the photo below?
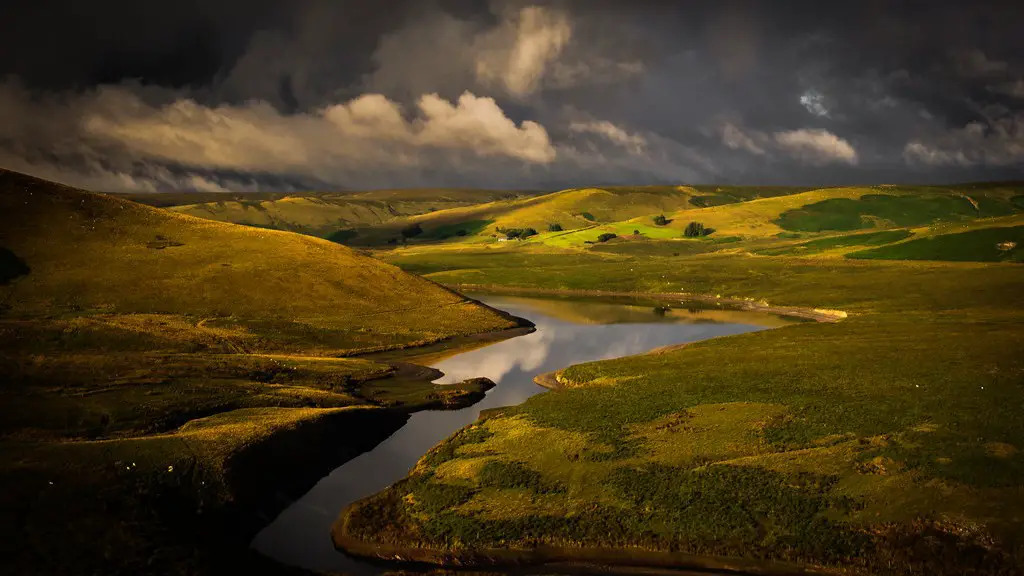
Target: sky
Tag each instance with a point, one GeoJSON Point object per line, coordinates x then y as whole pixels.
{"type": "Point", "coordinates": [121, 95]}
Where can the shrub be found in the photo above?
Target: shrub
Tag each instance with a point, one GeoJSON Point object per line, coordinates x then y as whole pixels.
{"type": "Point", "coordinates": [696, 230]}
{"type": "Point", "coordinates": [517, 232]}
{"type": "Point", "coordinates": [412, 231]}
{"type": "Point", "coordinates": [556, 227]}
{"type": "Point", "coordinates": [636, 232]}
{"type": "Point", "coordinates": [660, 220]}
{"type": "Point", "coordinates": [606, 237]}
{"type": "Point", "coordinates": [588, 216]}
{"type": "Point", "coordinates": [340, 236]}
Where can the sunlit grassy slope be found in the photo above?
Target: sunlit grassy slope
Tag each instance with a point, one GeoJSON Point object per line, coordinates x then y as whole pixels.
{"type": "Point", "coordinates": [570, 209]}
{"type": "Point", "coordinates": [831, 222]}
{"type": "Point", "coordinates": [327, 213]}
{"type": "Point", "coordinates": [751, 215]}
{"type": "Point", "coordinates": [90, 253]}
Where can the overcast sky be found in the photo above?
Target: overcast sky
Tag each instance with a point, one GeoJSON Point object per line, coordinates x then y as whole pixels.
{"type": "Point", "coordinates": [254, 94]}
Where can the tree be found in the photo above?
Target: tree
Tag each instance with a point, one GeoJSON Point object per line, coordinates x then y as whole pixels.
{"type": "Point", "coordinates": [412, 231]}
{"type": "Point", "coordinates": [660, 220]}
{"type": "Point", "coordinates": [555, 227]}
{"type": "Point", "coordinates": [526, 233]}
{"type": "Point", "coordinates": [694, 230]}
{"type": "Point", "coordinates": [636, 232]}
{"type": "Point", "coordinates": [606, 237]}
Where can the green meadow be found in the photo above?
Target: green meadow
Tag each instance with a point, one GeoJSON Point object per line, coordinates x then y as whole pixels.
{"type": "Point", "coordinates": [887, 442]}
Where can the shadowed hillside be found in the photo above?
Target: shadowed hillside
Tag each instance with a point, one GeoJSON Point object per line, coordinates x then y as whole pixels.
{"type": "Point", "coordinates": [170, 381]}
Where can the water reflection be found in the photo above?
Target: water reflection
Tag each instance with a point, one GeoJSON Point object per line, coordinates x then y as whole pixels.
{"type": "Point", "coordinates": [300, 536]}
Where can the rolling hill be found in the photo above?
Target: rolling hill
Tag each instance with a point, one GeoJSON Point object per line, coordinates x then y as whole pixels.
{"type": "Point", "coordinates": [323, 213]}
{"type": "Point", "coordinates": [168, 378]}
{"type": "Point", "coordinates": [95, 254]}
{"type": "Point", "coordinates": [570, 209]}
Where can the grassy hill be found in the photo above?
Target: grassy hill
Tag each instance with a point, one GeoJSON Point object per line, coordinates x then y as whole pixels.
{"type": "Point", "coordinates": [887, 443]}
{"type": "Point", "coordinates": [570, 209]}
{"type": "Point", "coordinates": [165, 376]}
{"type": "Point", "coordinates": [831, 222]}
{"type": "Point", "coordinates": [324, 213]}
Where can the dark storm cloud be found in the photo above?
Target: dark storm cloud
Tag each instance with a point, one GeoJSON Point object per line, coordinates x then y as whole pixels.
{"type": "Point", "coordinates": [260, 94]}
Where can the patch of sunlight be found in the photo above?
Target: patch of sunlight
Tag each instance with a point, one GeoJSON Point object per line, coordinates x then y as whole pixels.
{"type": "Point", "coordinates": [554, 453]}
{"type": "Point", "coordinates": [461, 470]}
{"type": "Point", "coordinates": [510, 504]}
{"type": "Point", "coordinates": [707, 432]}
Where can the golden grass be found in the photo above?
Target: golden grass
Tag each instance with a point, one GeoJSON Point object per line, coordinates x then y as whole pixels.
{"type": "Point", "coordinates": [89, 253]}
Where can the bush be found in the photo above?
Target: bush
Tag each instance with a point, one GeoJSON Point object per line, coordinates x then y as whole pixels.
{"type": "Point", "coordinates": [636, 232]}
{"type": "Point", "coordinates": [554, 227]}
{"type": "Point", "coordinates": [340, 236]}
{"type": "Point", "coordinates": [606, 237]}
{"type": "Point", "coordinates": [412, 231]}
{"type": "Point", "coordinates": [696, 230]}
{"type": "Point", "coordinates": [517, 232]}
{"type": "Point", "coordinates": [660, 220]}
{"type": "Point", "coordinates": [588, 216]}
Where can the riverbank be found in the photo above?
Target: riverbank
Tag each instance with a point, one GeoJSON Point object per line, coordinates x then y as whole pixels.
{"type": "Point", "coordinates": [885, 443]}
{"type": "Point", "coordinates": [198, 460]}
{"type": "Point", "coordinates": [816, 314]}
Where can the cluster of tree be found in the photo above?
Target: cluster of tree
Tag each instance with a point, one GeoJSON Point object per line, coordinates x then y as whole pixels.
{"type": "Point", "coordinates": [696, 230]}
{"type": "Point", "coordinates": [517, 232]}
{"type": "Point", "coordinates": [412, 231]}
{"type": "Point", "coordinates": [606, 237]}
{"type": "Point", "coordinates": [556, 227]}
{"type": "Point", "coordinates": [660, 220]}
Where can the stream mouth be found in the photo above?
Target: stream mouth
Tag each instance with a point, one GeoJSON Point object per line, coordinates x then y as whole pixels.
{"type": "Point", "coordinates": [568, 331]}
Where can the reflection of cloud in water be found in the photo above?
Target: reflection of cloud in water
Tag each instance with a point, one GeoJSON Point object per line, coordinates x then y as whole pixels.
{"type": "Point", "coordinates": [558, 344]}
{"type": "Point", "coordinates": [526, 353]}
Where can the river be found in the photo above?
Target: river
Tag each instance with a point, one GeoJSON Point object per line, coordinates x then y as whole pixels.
{"type": "Point", "coordinates": [569, 331]}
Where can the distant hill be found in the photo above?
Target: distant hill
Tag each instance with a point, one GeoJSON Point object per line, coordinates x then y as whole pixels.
{"type": "Point", "coordinates": [568, 209]}
{"type": "Point", "coordinates": [320, 213]}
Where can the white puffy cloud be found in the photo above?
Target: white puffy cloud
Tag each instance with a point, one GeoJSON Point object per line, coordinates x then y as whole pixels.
{"type": "Point", "coordinates": [814, 102]}
{"type": "Point", "coordinates": [634, 143]}
{"type": "Point", "coordinates": [733, 137]}
{"type": "Point", "coordinates": [816, 146]}
{"type": "Point", "coordinates": [812, 146]}
{"type": "Point", "coordinates": [366, 131]}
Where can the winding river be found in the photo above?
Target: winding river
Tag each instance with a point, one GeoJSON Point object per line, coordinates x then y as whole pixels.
{"type": "Point", "coordinates": [569, 331]}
